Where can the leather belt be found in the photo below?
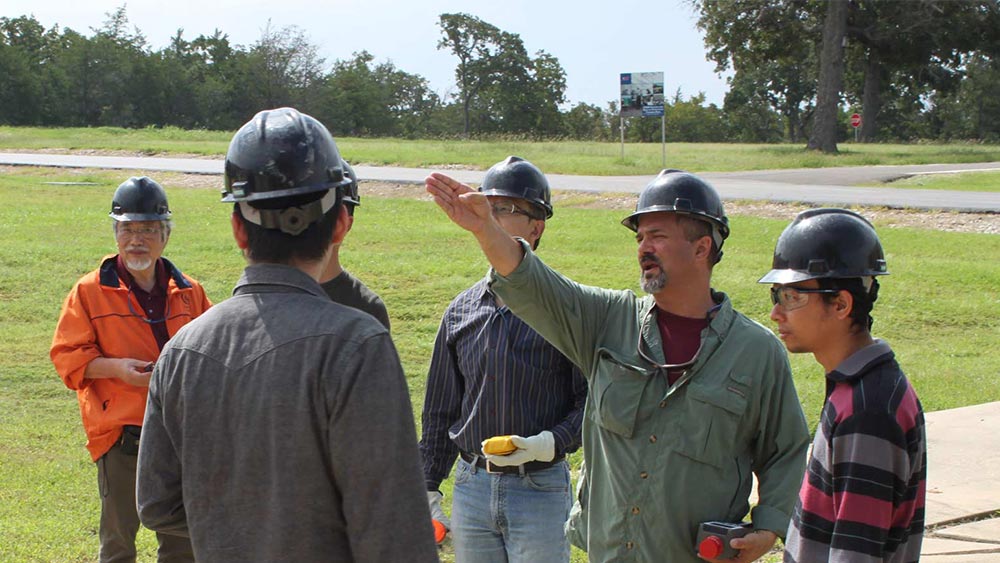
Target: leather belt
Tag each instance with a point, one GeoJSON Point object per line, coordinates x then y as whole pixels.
{"type": "Point", "coordinates": [480, 461]}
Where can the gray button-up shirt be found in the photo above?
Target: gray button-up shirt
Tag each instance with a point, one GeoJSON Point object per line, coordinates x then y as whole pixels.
{"type": "Point", "coordinates": [279, 428]}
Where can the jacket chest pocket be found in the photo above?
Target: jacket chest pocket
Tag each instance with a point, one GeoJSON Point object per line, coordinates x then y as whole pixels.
{"type": "Point", "coordinates": [713, 422]}
{"type": "Point", "coordinates": [615, 394]}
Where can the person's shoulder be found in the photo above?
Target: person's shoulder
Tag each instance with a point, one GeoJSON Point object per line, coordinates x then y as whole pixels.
{"type": "Point", "coordinates": [470, 295]}
{"type": "Point", "coordinates": [754, 331]}
{"type": "Point", "coordinates": [323, 314]}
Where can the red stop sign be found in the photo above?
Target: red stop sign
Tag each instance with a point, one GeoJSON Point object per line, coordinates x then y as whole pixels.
{"type": "Point", "coordinates": [855, 120]}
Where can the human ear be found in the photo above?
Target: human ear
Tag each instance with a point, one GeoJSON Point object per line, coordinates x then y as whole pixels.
{"type": "Point", "coordinates": [843, 304]}
{"type": "Point", "coordinates": [239, 231]}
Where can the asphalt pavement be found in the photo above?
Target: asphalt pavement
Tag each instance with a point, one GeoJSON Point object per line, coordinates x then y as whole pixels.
{"type": "Point", "coordinates": [816, 186]}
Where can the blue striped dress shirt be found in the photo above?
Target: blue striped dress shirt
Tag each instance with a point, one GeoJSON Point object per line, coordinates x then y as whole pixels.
{"type": "Point", "coordinates": [492, 375]}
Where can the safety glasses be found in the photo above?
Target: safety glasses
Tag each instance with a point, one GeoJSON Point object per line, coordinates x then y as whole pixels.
{"type": "Point", "coordinates": [791, 298]}
{"type": "Point", "coordinates": [125, 232]}
{"type": "Point", "coordinates": [503, 209]}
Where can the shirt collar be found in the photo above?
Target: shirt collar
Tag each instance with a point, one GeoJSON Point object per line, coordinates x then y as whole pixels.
{"type": "Point", "coordinates": [272, 278]}
{"type": "Point", "coordinates": [859, 362]}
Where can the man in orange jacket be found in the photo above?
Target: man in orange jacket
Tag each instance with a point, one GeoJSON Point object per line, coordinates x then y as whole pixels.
{"type": "Point", "coordinates": [113, 324]}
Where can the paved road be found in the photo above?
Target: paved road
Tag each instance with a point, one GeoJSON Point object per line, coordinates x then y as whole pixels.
{"type": "Point", "coordinates": [819, 186]}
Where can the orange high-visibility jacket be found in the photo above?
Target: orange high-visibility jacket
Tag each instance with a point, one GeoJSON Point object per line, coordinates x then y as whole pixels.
{"type": "Point", "coordinates": [96, 321]}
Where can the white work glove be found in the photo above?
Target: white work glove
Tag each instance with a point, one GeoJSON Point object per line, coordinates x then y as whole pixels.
{"type": "Point", "coordinates": [437, 513]}
{"type": "Point", "coordinates": [540, 447]}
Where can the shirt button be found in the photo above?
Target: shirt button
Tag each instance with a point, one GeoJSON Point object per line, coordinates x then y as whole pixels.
{"type": "Point", "coordinates": [635, 510]}
{"type": "Point", "coordinates": [652, 439]}
{"type": "Point", "coordinates": [644, 475]}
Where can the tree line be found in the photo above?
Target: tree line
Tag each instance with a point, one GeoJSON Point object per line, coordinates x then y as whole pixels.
{"type": "Point", "coordinates": [921, 69]}
{"type": "Point", "coordinates": [914, 69]}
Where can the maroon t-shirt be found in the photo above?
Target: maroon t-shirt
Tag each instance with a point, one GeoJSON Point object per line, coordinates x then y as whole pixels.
{"type": "Point", "coordinates": [681, 338]}
{"type": "Point", "coordinates": [153, 303]}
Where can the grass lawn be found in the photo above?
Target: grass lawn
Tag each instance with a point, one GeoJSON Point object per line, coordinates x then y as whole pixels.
{"type": "Point", "coordinates": [940, 309]}
{"type": "Point", "coordinates": [963, 182]}
{"type": "Point", "coordinates": [563, 157]}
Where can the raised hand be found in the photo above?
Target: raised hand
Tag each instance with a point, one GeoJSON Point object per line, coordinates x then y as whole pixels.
{"type": "Point", "coordinates": [466, 207]}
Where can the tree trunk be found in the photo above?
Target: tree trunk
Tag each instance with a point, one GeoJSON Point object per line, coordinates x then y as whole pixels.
{"type": "Point", "coordinates": [871, 99]}
{"type": "Point", "coordinates": [831, 78]}
{"type": "Point", "coordinates": [465, 112]}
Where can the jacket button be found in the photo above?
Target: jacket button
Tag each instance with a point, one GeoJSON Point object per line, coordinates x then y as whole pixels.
{"type": "Point", "coordinates": [663, 404]}
{"type": "Point", "coordinates": [629, 545]}
{"type": "Point", "coordinates": [644, 475]}
{"type": "Point", "coordinates": [635, 510]}
{"type": "Point", "coordinates": [652, 439]}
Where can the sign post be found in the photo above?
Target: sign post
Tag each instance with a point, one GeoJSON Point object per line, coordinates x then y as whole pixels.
{"type": "Point", "coordinates": [855, 123]}
{"type": "Point", "coordinates": [642, 96]}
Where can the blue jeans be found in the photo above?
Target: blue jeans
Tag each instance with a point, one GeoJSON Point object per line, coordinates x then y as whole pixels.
{"type": "Point", "coordinates": [509, 518]}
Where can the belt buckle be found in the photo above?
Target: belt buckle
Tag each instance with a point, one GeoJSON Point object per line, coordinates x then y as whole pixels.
{"type": "Point", "coordinates": [489, 468]}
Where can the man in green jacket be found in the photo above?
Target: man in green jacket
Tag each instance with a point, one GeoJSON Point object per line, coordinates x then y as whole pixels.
{"type": "Point", "coordinates": [688, 398]}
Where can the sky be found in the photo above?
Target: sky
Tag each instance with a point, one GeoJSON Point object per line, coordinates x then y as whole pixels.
{"type": "Point", "coordinates": [594, 41]}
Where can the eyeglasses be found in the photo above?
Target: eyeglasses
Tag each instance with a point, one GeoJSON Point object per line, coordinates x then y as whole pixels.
{"type": "Point", "coordinates": [791, 298]}
{"type": "Point", "coordinates": [144, 232]}
{"type": "Point", "coordinates": [666, 367]}
{"type": "Point", "coordinates": [131, 309]}
{"type": "Point", "coordinates": [501, 209]}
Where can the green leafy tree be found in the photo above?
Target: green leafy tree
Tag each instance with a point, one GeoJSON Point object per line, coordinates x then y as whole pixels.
{"type": "Point", "coordinates": [587, 122]}
{"type": "Point", "coordinates": [770, 46]}
{"type": "Point", "coordinates": [362, 98]}
{"type": "Point", "coordinates": [475, 43]}
{"type": "Point", "coordinates": [23, 47]}
{"type": "Point", "coordinates": [500, 87]}
{"type": "Point", "coordinates": [282, 68]}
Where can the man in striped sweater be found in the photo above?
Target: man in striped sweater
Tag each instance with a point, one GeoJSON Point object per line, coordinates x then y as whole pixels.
{"type": "Point", "coordinates": [862, 498]}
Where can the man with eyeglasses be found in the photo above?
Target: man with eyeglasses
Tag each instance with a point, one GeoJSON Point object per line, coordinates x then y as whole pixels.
{"type": "Point", "coordinates": [862, 498]}
{"type": "Point", "coordinates": [688, 398]}
{"type": "Point", "coordinates": [492, 376]}
{"type": "Point", "coordinates": [113, 325]}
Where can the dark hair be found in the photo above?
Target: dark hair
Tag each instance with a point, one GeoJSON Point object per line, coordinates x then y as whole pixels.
{"type": "Point", "coordinates": [276, 247]}
{"type": "Point", "coordinates": [864, 300]}
{"type": "Point", "coordinates": [694, 229]}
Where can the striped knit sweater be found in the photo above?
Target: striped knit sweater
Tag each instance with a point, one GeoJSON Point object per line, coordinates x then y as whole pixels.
{"type": "Point", "coordinates": [862, 499]}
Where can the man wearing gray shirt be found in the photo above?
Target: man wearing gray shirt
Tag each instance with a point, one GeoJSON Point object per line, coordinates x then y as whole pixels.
{"type": "Point", "coordinates": [280, 428]}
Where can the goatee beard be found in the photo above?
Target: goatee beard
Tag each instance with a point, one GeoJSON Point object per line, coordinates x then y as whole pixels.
{"type": "Point", "coordinates": [138, 264]}
{"type": "Point", "coordinates": [653, 284]}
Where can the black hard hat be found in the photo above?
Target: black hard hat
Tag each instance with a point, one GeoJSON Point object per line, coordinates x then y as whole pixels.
{"type": "Point", "coordinates": [282, 153]}
{"type": "Point", "coordinates": [139, 199]}
{"type": "Point", "coordinates": [677, 191]}
{"type": "Point", "coordinates": [286, 166]}
{"type": "Point", "coordinates": [516, 177]}
{"type": "Point", "coordinates": [351, 194]}
{"type": "Point", "coordinates": [826, 243]}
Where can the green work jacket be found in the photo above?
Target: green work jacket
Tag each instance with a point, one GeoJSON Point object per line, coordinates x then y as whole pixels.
{"type": "Point", "coordinates": [660, 459]}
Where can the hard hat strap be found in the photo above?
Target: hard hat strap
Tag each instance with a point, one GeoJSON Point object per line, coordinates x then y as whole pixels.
{"type": "Point", "coordinates": [291, 220]}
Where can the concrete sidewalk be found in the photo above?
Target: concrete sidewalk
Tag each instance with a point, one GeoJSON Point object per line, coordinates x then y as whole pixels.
{"type": "Point", "coordinates": [963, 485]}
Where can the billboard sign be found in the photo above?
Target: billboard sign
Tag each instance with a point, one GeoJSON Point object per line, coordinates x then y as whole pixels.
{"type": "Point", "coordinates": [641, 94]}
